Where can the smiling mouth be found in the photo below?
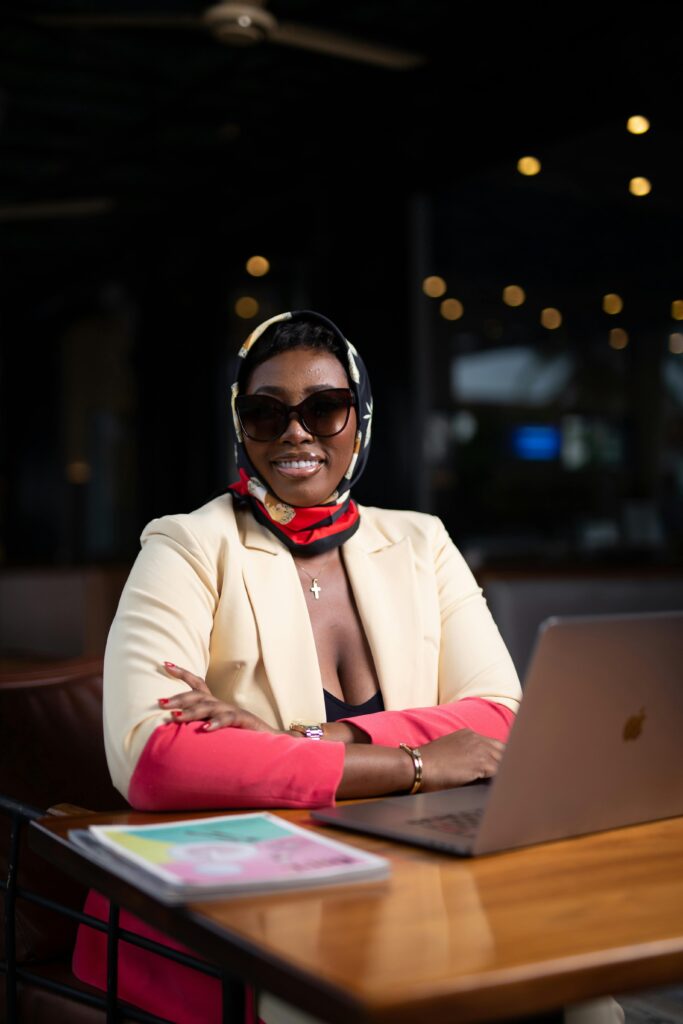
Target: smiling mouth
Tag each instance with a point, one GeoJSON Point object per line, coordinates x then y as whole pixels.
{"type": "Point", "coordinates": [298, 468]}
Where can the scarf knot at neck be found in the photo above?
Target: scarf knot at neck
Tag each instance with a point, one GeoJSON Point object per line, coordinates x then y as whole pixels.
{"type": "Point", "coordinates": [310, 530]}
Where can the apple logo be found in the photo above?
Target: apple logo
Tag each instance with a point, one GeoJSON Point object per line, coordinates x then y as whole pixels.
{"type": "Point", "coordinates": [634, 725]}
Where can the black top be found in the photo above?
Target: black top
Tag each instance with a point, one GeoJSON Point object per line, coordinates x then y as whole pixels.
{"type": "Point", "coordinates": [336, 708]}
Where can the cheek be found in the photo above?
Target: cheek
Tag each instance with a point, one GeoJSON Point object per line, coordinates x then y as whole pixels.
{"type": "Point", "coordinates": [253, 454]}
{"type": "Point", "coordinates": [347, 440]}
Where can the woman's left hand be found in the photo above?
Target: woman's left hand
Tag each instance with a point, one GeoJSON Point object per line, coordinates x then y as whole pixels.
{"type": "Point", "coordinates": [201, 705]}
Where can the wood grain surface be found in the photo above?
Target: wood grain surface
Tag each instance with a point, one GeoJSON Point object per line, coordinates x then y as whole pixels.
{"type": "Point", "coordinates": [443, 939]}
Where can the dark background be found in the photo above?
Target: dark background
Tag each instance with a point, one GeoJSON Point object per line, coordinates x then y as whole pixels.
{"type": "Point", "coordinates": [141, 168]}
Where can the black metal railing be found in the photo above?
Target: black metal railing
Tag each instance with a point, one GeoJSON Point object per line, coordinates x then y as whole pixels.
{"type": "Point", "coordinates": [19, 816]}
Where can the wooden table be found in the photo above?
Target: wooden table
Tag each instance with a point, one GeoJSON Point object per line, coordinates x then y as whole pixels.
{"type": "Point", "coordinates": [442, 939]}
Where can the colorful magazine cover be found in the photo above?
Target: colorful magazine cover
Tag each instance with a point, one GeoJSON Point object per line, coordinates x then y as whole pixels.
{"type": "Point", "coordinates": [226, 855]}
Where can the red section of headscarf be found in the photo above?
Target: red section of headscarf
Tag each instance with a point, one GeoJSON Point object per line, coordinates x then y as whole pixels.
{"type": "Point", "coordinates": [308, 525]}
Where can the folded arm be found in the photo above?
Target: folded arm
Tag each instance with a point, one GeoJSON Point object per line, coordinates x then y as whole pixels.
{"type": "Point", "coordinates": [168, 608]}
{"type": "Point", "coordinates": [184, 767]}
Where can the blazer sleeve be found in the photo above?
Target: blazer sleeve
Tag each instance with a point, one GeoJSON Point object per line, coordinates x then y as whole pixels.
{"type": "Point", "coordinates": [166, 613]}
{"type": "Point", "coordinates": [478, 685]}
{"type": "Point", "coordinates": [421, 725]}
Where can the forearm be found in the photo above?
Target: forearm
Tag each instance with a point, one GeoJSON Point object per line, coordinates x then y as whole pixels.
{"type": "Point", "coordinates": [184, 767]}
{"type": "Point", "coordinates": [421, 725]}
{"type": "Point", "coordinates": [375, 771]}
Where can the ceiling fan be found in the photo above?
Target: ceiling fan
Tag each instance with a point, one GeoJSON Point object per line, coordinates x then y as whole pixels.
{"type": "Point", "coordinates": [245, 24]}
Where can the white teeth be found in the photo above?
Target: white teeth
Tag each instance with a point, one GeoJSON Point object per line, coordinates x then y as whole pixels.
{"type": "Point", "coordinates": [298, 464]}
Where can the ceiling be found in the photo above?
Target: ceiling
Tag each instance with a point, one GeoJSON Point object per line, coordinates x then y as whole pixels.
{"type": "Point", "coordinates": [155, 118]}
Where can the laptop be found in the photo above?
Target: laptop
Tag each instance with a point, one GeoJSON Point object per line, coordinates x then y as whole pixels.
{"type": "Point", "coordinates": [597, 744]}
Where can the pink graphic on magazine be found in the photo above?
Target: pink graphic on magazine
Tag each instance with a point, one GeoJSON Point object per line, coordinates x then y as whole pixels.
{"type": "Point", "coordinates": [274, 858]}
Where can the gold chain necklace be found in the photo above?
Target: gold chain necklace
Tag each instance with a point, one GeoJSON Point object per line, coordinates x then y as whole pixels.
{"type": "Point", "coordinates": [315, 587]}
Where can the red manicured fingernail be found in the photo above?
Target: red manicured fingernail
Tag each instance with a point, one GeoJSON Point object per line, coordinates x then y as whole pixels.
{"type": "Point", "coordinates": [163, 700]}
{"type": "Point", "coordinates": [207, 725]}
{"type": "Point", "coordinates": [176, 714]}
{"type": "Point", "coordinates": [169, 664]}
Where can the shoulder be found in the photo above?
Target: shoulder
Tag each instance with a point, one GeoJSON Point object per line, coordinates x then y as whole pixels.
{"type": "Point", "coordinates": [396, 524]}
{"type": "Point", "coordinates": [205, 529]}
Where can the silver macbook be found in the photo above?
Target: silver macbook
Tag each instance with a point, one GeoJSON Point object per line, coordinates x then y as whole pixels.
{"type": "Point", "coordinates": [597, 744]}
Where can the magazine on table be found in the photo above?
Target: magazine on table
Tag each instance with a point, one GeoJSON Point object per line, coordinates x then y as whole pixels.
{"type": "Point", "coordinates": [231, 855]}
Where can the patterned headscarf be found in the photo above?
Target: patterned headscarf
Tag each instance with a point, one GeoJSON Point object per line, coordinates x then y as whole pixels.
{"type": "Point", "coordinates": [316, 528]}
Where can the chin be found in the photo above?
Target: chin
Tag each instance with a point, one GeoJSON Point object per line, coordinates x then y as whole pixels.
{"type": "Point", "coordinates": [301, 495]}
{"type": "Point", "coordinates": [302, 498]}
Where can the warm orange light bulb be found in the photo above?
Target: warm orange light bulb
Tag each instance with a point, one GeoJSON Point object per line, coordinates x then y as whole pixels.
{"type": "Point", "coordinates": [618, 338]}
{"type": "Point", "coordinates": [640, 186]}
{"type": "Point", "coordinates": [513, 295]}
{"type": "Point", "coordinates": [528, 165]}
{"type": "Point", "coordinates": [452, 309]}
{"type": "Point", "coordinates": [434, 287]}
{"type": "Point", "coordinates": [637, 125]}
{"type": "Point", "coordinates": [246, 307]}
{"type": "Point", "coordinates": [257, 266]}
{"type": "Point", "coordinates": [551, 318]}
{"type": "Point", "coordinates": [612, 303]}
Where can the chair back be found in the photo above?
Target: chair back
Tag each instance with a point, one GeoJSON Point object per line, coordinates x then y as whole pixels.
{"type": "Point", "coordinates": [51, 752]}
{"type": "Point", "coordinates": [519, 604]}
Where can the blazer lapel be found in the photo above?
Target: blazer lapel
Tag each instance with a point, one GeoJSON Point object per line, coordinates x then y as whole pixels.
{"type": "Point", "coordinates": [289, 655]}
{"type": "Point", "coordinates": [382, 576]}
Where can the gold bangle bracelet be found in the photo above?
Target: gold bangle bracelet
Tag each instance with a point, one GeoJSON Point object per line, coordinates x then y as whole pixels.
{"type": "Point", "coordinates": [416, 756]}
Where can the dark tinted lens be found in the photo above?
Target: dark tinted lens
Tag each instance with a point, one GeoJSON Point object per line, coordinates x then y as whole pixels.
{"type": "Point", "coordinates": [327, 412]}
{"type": "Point", "coordinates": [262, 419]}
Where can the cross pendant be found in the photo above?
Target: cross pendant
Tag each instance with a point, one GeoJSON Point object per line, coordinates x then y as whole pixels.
{"type": "Point", "coordinates": [315, 589]}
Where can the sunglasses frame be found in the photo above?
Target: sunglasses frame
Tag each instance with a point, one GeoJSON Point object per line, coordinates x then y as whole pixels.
{"type": "Point", "coordinates": [289, 409]}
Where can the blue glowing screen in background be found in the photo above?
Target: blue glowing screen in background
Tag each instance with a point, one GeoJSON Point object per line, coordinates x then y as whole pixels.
{"type": "Point", "coordinates": [537, 442]}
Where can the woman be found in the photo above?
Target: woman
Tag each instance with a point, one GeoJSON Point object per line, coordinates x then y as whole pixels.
{"type": "Point", "coordinates": [274, 647]}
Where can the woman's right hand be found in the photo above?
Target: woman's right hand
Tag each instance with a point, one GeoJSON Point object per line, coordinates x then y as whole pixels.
{"type": "Point", "coordinates": [200, 705]}
{"type": "Point", "coordinates": [454, 760]}
{"type": "Point", "coordinates": [458, 758]}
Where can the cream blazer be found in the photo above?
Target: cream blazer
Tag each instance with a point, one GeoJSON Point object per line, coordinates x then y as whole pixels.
{"type": "Point", "coordinates": [216, 593]}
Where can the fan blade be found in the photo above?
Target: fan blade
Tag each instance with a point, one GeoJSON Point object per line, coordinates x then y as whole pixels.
{"type": "Point", "coordinates": [118, 20]}
{"type": "Point", "coordinates": [346, 47]}
{"type": "Point", "coordinates": [56, 208]}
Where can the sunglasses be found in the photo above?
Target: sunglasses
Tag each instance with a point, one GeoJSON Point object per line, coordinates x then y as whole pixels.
{"type": "Point", "coordinates": [324, 413]}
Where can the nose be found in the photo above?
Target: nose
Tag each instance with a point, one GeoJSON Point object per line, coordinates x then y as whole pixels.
{"type": "Point", "coordinates": [295, 431]}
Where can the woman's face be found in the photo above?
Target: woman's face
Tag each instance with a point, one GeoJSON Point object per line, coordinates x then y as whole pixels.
{"type": "Point", "coordinates": [292, 376]}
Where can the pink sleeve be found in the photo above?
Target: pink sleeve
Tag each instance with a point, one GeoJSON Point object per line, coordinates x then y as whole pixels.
{"type": "Point", "coordinates": [183, 767]}
{"type": "Point", "coordinates": [420, 725]}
